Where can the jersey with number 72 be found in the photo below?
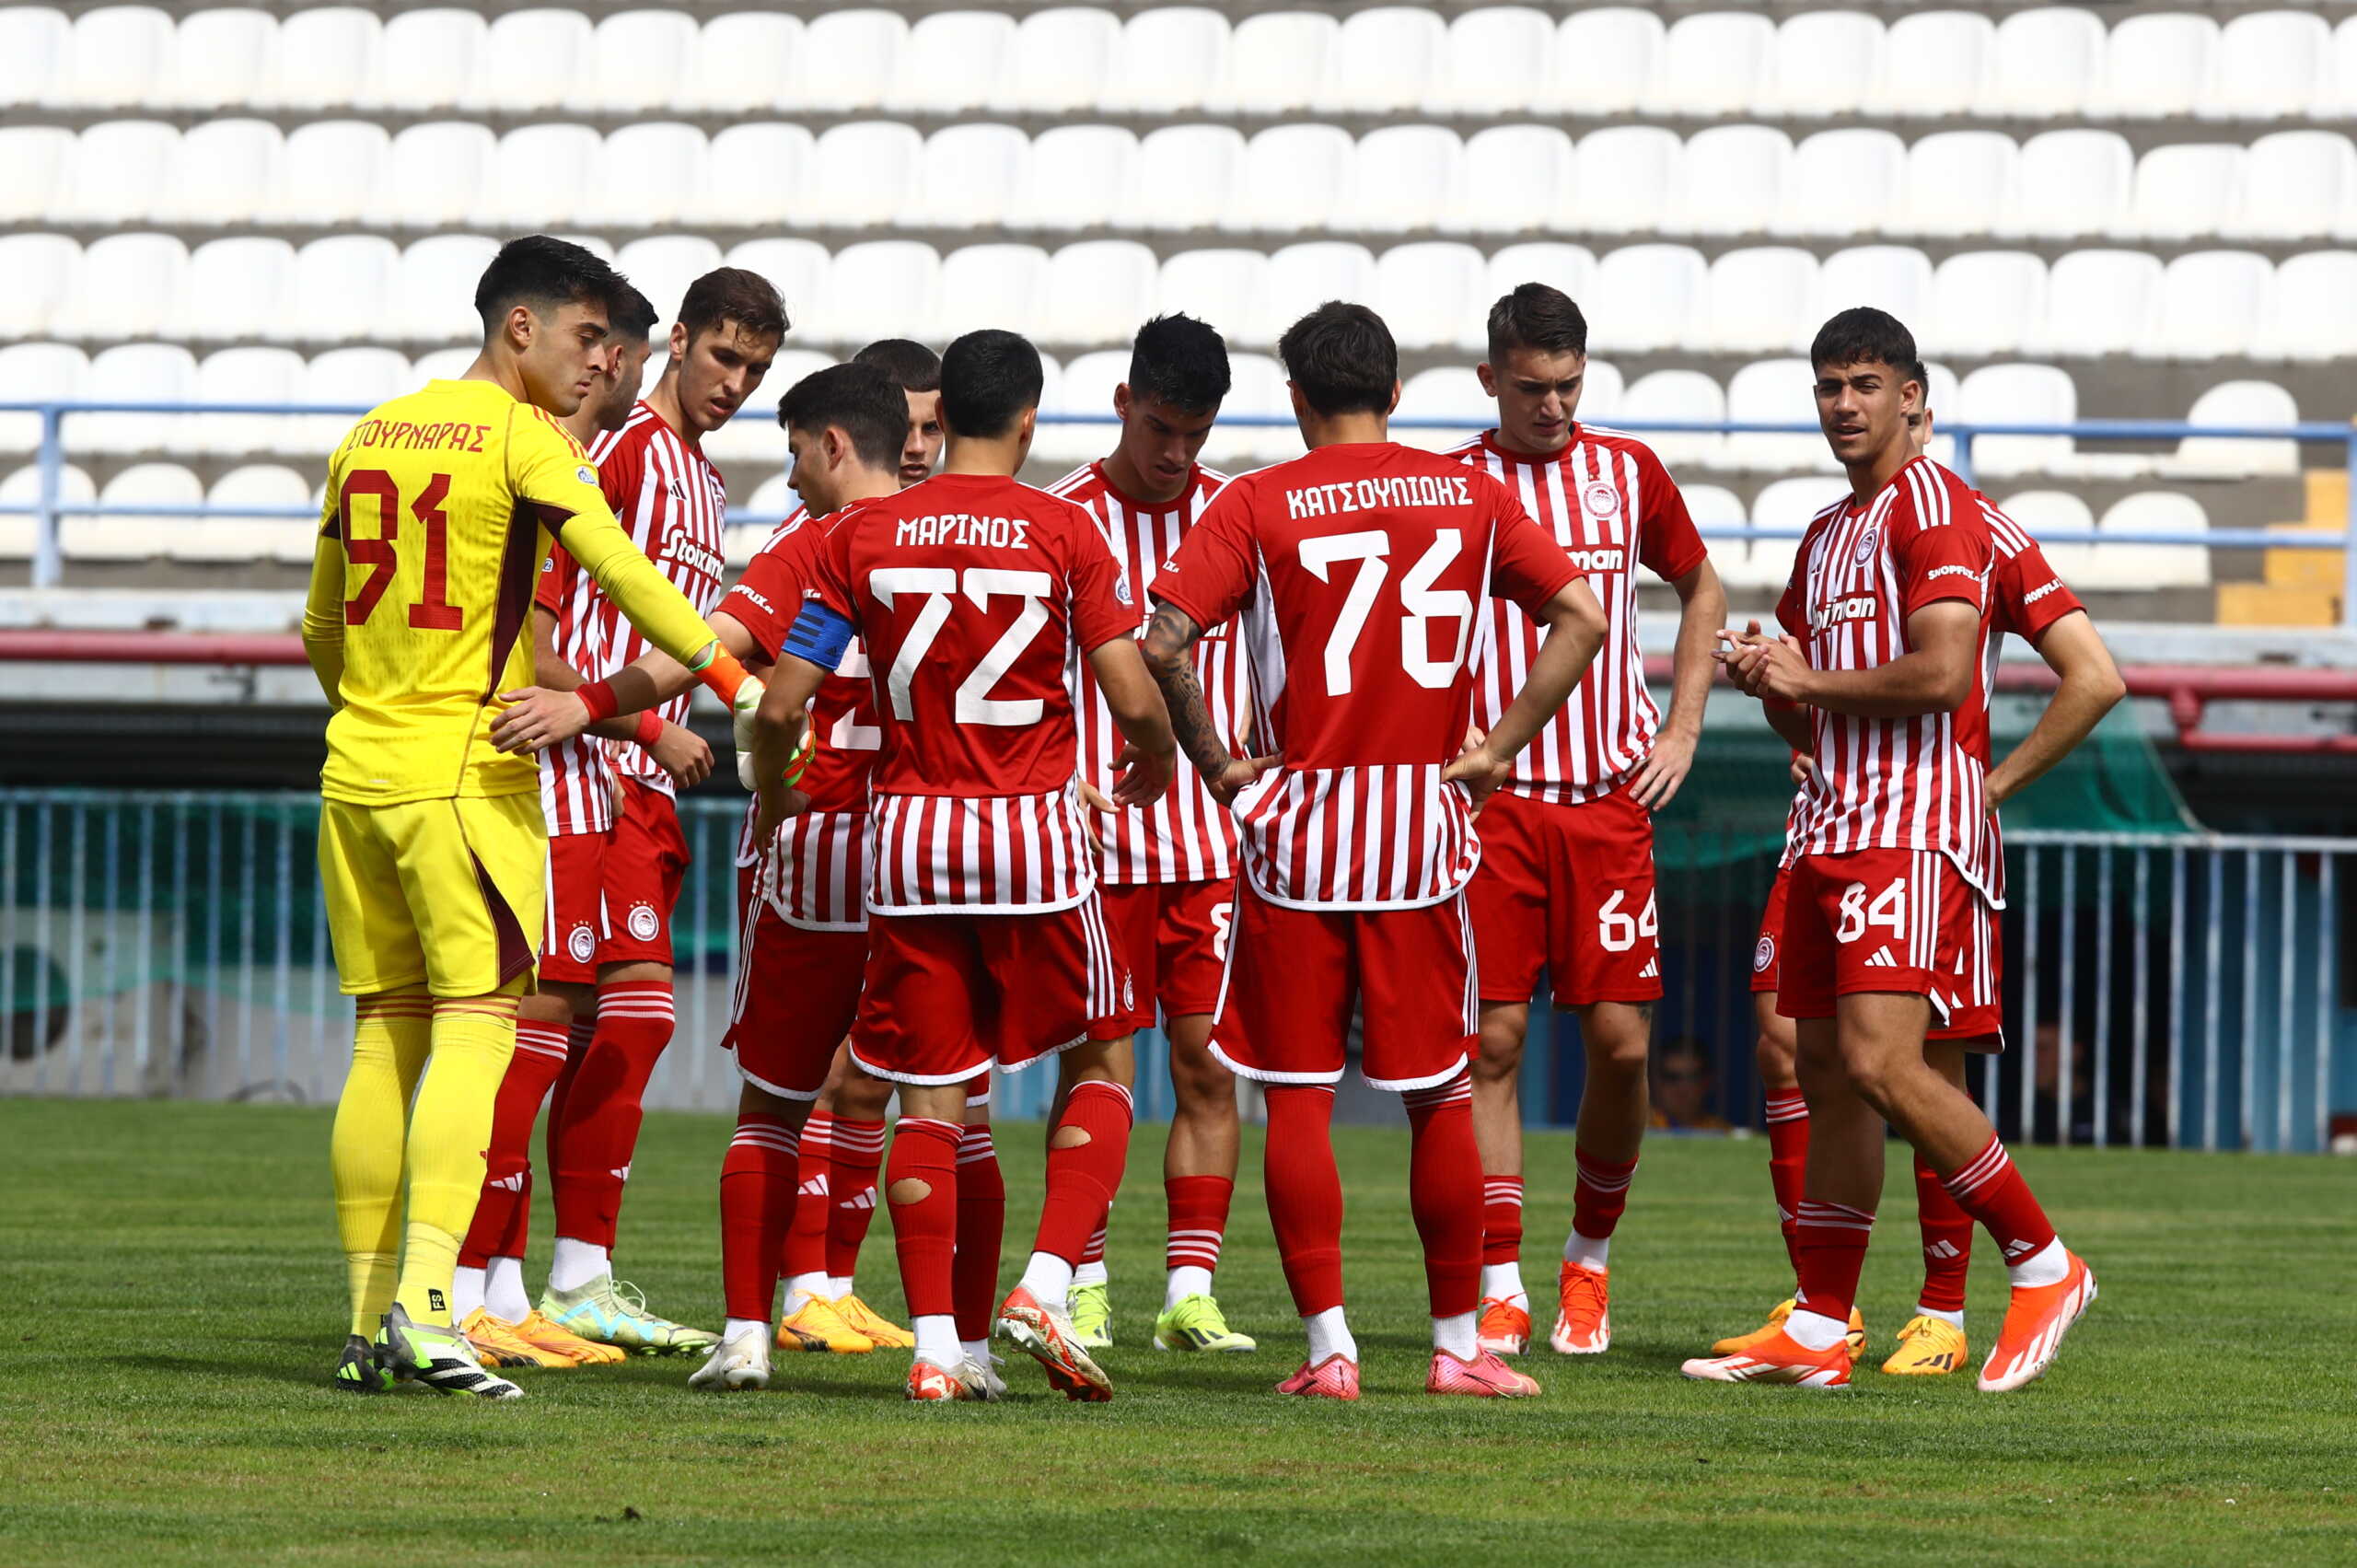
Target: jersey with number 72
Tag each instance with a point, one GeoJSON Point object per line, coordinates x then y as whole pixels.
{"type": "Point", "coordinates": [1359, 572]}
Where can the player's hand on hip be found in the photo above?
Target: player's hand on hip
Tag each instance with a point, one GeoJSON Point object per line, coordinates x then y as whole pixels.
{"type": "Point", "coordinates": [1804, 769]}
{"type": "Point", "coordinates": [1237, 776]}
{"type": "Point", "coordinates": [683, 754]}
{"type": "Point", "coordinates": [777, 802]}
{"type": "Point", "coordinates": [1477, 768]}
{"type": "Point", "coordinates": [1664, 771]}
{"type": "Point", "coordinates": [1141, 776]}
{"type": "Point", "coordinates": [537, 718]}
{"type": "Point", "coordinates": [1095, 800]}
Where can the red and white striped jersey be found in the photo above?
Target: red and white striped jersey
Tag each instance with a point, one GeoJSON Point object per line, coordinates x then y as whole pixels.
{"type": "Point", "coordinates": [816, 866]}
{"type": "Point", "coordinates": [976, 597]}
{"type": "Point", "coordinates": [1609, 502]}
{"type": "Point", "coordinates": [1895, 783]}
{"type": "Point", "coordinates": [576, 778]}
{"type": "Point", "coordinates": [1186, 836]}
{"type": "Point", "coordinates": [1357, 573]}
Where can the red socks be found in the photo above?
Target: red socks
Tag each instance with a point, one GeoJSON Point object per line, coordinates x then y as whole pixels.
{"type": "Point", "coordinates": [602, 1108]}
{"type": "Point", "coordinates": [1444, 1192]}
{"type": "Point", "coordinates": [1992, 1192]}
{"type": "Point", "coordinates": [1787, 1158]}
{"type": "Point", "coordinates": [1304, 1193]}
{"type": "Point", "coordinates": [757, 1204]}
{"type": "Point", "coordinates": [1947, 1242]}
{"type": "Point", "coordinates": [1198, 1207]}
{"type": "Point", "coordinates": [858, 1150]}
{"type": "Point", "coordinates": [1083, 1180]}
{"type": "Point", "coordinates": [503, 1214]}
{"type": "Point", "coordinates": [1502, 1219]}
{"type": "Point", "coordinates": [981, 1233]}
{"type": "Point", "coordinates": [925, 1231]}
{"type": "Point", "coordinates": [1832, 1245]}
{"type": "Point", "coordinates": [805, 1241]}
{"type": "Point", "coordinates": [1599, 1194]}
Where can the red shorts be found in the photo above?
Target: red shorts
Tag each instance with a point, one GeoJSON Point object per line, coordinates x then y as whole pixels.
{"type": "Point", "coordinates": [611, 894]}
{"type": "Point", "coordinates": [1889, 920]}
{"type": "Point", "coordinates": [796, 994]}
{"type": "Point", "coordinates": [1765, 952]}
{"type": "Point", "coordinates": [1569, 890]}
{"type": "Point", "coordinates": [950, 997]}
{"type": "Point", "coordinates": [1299, 980]}
{"type": "Point", "coordinates": [1174, 936]}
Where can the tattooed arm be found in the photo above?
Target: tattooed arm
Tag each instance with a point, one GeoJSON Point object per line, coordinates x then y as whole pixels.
{"type": "Point", "coordinates": [1170, 654]}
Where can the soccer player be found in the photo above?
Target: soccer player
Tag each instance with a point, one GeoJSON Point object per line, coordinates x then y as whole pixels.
{"type": "Point", "coordinates": [607, 406]}
{"type": "Point", "coordinates": [1894, 866]}
{"type": "Point", "coordinates": [2030, 600]}
{"type": "Point", "coordinates": [973, 595]}
{"type": "Point", "coordinates": [1168, 877]}
{"type": "Point", "coordinates": [617, 855]}
{"type": "Point", "coordinates": [1566, 882]}
{"type": "Point", "coordinates": [439, 506]}
{"type": "Point", "coordinates": [1358, 571]}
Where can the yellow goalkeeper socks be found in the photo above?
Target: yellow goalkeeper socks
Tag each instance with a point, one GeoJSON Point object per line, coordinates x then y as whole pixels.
{"type": "Point", "coordinates": [450, 1128]}
{"type": "Point", "coordinates": [365, 1151]}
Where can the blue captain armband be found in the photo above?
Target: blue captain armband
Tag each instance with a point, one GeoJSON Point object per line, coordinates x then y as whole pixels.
{"type": "Point", "coordinates": [819, 635]}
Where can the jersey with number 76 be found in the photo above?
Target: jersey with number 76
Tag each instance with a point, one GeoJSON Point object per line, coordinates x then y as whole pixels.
{"type": "Point", "coordinates": [1358, 572]}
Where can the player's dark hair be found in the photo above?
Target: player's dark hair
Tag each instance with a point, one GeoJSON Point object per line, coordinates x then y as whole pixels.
{"type": "Point", "coordinates": [988, 378]}
{"type": "Point", "coordinates": [1342, 358]}
{"type": "Point", "coordinates": [1179, 361]}
{"type": "Point", "coordinates": [543, 273]}
{"type": "Point", "coordinates": [916, 367]}
{"type": "Point", "coordinates": [1861, 335]}
{"type": "Point", "coordinates": [629, 314]}
{"type": "Point", "coordinates": [861, 400]}
{"type": "Point", "coordinates": [1535, 316]}
{"type": "Point", "coordinates": [734, 294]}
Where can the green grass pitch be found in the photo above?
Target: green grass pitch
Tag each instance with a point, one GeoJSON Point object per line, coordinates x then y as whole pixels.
{"type": "Point", "coordinates": [174, 1301]}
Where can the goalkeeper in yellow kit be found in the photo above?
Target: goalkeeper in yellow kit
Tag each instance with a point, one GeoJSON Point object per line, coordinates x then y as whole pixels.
{"type": "Point", "coordinates": [440, 508]}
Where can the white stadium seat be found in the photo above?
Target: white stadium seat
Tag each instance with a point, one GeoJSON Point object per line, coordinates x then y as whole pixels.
{"type": "Point", "coordinates": [2310, 313]}
{"type": "Point", "coordinates": [1603, 61]}
{"type": "Point", "coordinates": [1067, 175]}
{"type": "Point", "coordinates": [229, 536]}
{"type": "Point", "coordinates": [434, 175]}
{"type": "Point", "coordinates": [224, 172]}
{"type": "Point", "coordinates": [744, 61]}
{"type": "Point", "coordinates": [2044, 513]}
{"type": "Point", "coordinates": [1784, 507]}
{"type": "Point", "coordinates": [1644, 299]}
{"type": "Point", "coordinates": [1758, 301]}
{"type": "Point", "coordinates": [1730, 181]}
{"type": "Point", "coordinates": [1959, 182]}
{"type": "Point", "coordinates": [435, 290]}
{"type": "Point", "coordinates": [37, 42]}
{"type": "Point", "coordinates": [556, 42]}
{"type": "Point", "coordinates": [343, 291]}
{"type": "Point", "coordinates": [427, 60]}
{"type": "Point", "coordinates": [239, 376]}
{"type": "Point", "coordinates": [990, 285]}
{"type": "Point", "coordinates": [145, 373]}
{"type": "Point", "coordinates": [1256, 387]}
{"type": "Point", "coordinates": [1602, 387]}
{"type": "Point", "coordinates": [1687, 395]}
{"type": "Point", "coordinates": [1714, 507]}
{"type": "Point", "coordinates": [2043, 63]}
{"type": "Point", "coordinates": [661, 267]}
{"type": "Point", "coordinates": [1276, 62]}
{"type": "Point", "coordinates": [1842, 183]}
{"type": "Point", "coordinates": [1057, 61]}
{"type": "Point", "coordinates": [1289, 178]}
{"type": "Point", "coordinates": [320, 58]}
{"type": "Point", "coordinates": [128, 285]}
{"type": "Point", "coordinates": [1169, 60]}
{"type": "Point", "coordinates": [1775, 391]}
{"type": "Point", "coordinates": [2184, 192]}
{"type": "Point", "coordinates": [773, 497]}
{"type": "Point", "coordinates": [115, 59]}
{"type": "Point", "coordinates": [2247, 405]}
{"type": "Point", "coordinates": [638, 60]}
{"type": "Point", "coordinates": [860, 174]}
{"type": "Point", "coordinates": [797, 268]}
{"type": "Point", "coordinates": [1934, 64]}
{"type": "Point", "coordinates": [329, 171]}
{"type": "Point", "coordinates": [877, 288]}
{"type": "Point", "coordinates": [40, 269]}
{"type": "Point", "coordinates": [847, 61]}
{"type": "Point", "coordinates": [1567, 267]}
{"type": "Point", "coordinates": [32, 158]}
{"type": "Point", "coordinates": [1896, 278]}
{"type": "Point", "coordinates": [1403, 179]}
{"type": "Point", "coordinates": [37, 372]}
{"type": "Point", "coordinates": [1181, 178]}
{"type": "Point", "coordinates": [23, 488]}
{"type": "Point", "coordinates": [1627, 174]}
{"type": "Point", "coordinates": [2154, 66]}
{"type": "Point", "coordinates": [539, 174]}
{"type": "Point", "coordinates": [219, 58]}
{"type": "Point", "coordinates": [2097, 302]}
{"type": "Point", "coordinates": [1711, 65]}
{"type": "Point", "coordinates": [1302, 277]}
{"type": "Point", "coordinates": [2153, 565]}
{"type": "Point", "coordinates": [135, 538]}
{"type": "Point", "coordinates": [1430, 294]}
{"type": "Point", "coordinates": [1985, 302]}
{"type": "Point", "coordinates": [1518, 179]}
{"type": "Point", "coordinates": [361, 378]}
{"type": "Point", "coordinates": [967, 177]}
{"type": "Point", "coordinates": [753, 174]}
{"type": "Point", "coordinates": [1494, 58]}
{"type": "Point", "coordinates": [2207, 306]}
{"type": "Point", "coordinates": [1099, 291]}
{"type": "Point", "coordinates": [442, 364]}
{"type": "Point", "coordinates": [646, 175]}
{"type": "Point", "coordinates": [117, 173]}
{"type": "Point", "coordinates": [1220, 286]}
{"type": "Point", "coordinates": [2336, 92]}
{"type": "Point", "coordinates": [950, 62]}
{"type": "Point", "coordinates": [2267, 65]}
{"type": "Point", "coordinates": [2017, 394]}
{"type": "Point", "coordinates": [1382, 60]}
{"type": "Point", "coordinates": [2296, 184]}
{"type": "Point", "coordinates": [2069, 183]}
{"type": "Point", "coordinates": [1822, 64]}
{"type": "Point", "coordinates": [1446, 391]}
{"type": "Point", "coordinates": [234, 290]}
{"type": "Point", "coordinates": [1085, 387]}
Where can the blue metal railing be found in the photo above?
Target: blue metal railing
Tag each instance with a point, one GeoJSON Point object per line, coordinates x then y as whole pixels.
{"type": "Point", "coordinates": [51, 507]}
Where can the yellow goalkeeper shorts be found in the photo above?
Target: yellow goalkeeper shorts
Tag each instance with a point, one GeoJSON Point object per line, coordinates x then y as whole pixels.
{"type": "Point", "coordinates": [430, 889]}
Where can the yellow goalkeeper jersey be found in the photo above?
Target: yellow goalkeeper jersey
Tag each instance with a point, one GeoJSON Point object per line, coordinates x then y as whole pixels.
{"type": "Point", "coordinates": [439, 510]}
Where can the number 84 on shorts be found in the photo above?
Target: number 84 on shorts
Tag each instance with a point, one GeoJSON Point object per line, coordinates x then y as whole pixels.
{"type": "Point", "coordinates": [1888, 920]}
